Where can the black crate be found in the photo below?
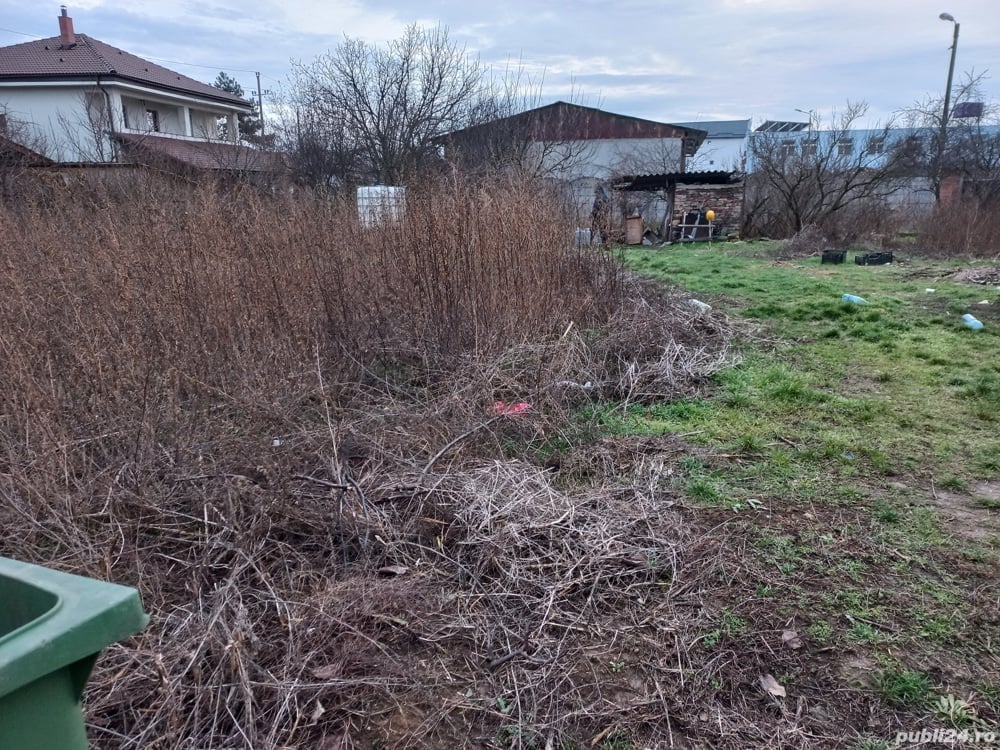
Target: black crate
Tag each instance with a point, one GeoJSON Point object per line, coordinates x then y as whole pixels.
{"type": "Point", "coordinates": [833, 256]}
{"type": "Point", "coordinates": [873, 259]}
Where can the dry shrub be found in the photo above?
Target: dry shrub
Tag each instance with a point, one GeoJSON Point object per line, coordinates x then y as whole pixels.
{"type": "Point", "coordinates": [874, 222]}
{"type": "Point", "coordinates": [811, 240]}
{"type": "Point", "coordinates": [961, 231]}
{"type": "Point", "coordinates": [277, 424]}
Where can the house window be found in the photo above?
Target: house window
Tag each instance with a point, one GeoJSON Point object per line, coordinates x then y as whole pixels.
{"type": "Point", "coordinates": [810, 147]}
{"type": "Point", "coordinates": [845, 146]}
{"type": "Point", "coordinates": [787, 149]}
{"type": "Point", "coordinates": [152, 121]}
{"type": "Point", "coordinates": [125, 121]}
{"type": "Point", "coordinates": [876, 146]}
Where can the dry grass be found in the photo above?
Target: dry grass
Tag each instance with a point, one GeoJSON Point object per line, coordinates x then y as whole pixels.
{"type": "Point", "coordinates": [277, 425]}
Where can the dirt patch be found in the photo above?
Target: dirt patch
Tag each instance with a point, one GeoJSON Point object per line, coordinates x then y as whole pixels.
{"type": "Point", "coordinates": [858, 671]}
{"type": "Point", "coordinates": [967, 519]}
{"type": "Point", "coordinates": [987, 491]}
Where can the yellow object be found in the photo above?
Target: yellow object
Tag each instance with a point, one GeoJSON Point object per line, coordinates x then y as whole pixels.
{"type": "Point", "coordinates": [710, 215]}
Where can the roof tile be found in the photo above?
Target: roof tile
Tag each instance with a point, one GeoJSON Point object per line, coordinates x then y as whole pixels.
{"type": "Point", "coordinates": [209, 155]}
{"type": "Point", "coordinates": [48, 59]}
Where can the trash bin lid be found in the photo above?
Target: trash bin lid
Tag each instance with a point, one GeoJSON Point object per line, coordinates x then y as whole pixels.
{"type": "Point", "coordinates": [50, 620]}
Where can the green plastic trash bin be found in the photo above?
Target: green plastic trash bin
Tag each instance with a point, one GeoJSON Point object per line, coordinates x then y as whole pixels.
{"type": "Point", "coordinates": [52, 627]}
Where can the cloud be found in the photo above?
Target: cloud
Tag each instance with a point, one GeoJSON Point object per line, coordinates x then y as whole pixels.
{"type": "Point", "coordinates": [659, 60]}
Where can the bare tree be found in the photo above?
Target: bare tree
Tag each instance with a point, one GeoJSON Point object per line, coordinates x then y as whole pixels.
{"type": "Point", "coordinates": [967, 147]}
{"type": "Point", "coordinates": [88, 129]}
{"type": "Point", "coordinates": [388, 106]}
{"type": "Point", "coordinates": [325, 152]}
{"type": "Point", "coordinates": [813, 178]}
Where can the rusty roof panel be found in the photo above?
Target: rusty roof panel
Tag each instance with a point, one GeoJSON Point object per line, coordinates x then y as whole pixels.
{"type": "Point", "coordinates": [562, 121]}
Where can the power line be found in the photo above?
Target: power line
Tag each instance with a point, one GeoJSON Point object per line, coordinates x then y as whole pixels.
{"type": "Point", "coordinates": [224, 68]}
{"type": "Point", "coordinates": [197, 65]}
{"type": "Point", "coordinates": [12, 31]}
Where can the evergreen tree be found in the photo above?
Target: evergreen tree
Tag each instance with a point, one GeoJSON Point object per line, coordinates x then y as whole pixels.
{"type": "Point", "coordinates": [250, 124]}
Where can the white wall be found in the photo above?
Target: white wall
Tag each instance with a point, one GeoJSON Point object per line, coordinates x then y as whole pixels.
{"type": "Point", "coordinates": [602, 159]}
{"type": "Point", "coordinates": [57, 116]}
{"type": "Point", "coordinates": [718, 154]}
{"type": "Point", "coordinates": [204, 124]}
{"type": "Point", "coordinates": [171, 116]}
{"type": "Point", "coordinates": [581, 165]}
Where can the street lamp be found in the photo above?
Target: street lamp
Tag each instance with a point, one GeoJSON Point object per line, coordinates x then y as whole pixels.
{"type": "Point", "coordinates": [943, 138]}
{"type": "Point", "coordinates": [951, 72]}
{"type": "Point", "coordinates": [809, 114]}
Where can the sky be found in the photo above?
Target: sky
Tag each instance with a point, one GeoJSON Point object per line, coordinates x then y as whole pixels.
{"type": "Point", "coordinates": [662, 60]}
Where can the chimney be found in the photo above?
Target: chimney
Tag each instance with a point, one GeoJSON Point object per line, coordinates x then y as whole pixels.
{"type": "Point", "coordinates": [66, 35]}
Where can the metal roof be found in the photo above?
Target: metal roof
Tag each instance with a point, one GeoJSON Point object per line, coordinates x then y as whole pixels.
{"type": "Point", "coordinates": [49, 59]}
{"type": "Point", "coordinates": [645, 182]}
{"type": "Point", "coordinates": [562, 121]}
{"type": "Point", "coordinates": [720, 128]}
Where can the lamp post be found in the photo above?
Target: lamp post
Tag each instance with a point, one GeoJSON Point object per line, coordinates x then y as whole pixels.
{"type": "Point", "coordinates": [951, 73]}
{"type": "Point", "coordinates": [809, 114]}
{"type": "Point", "coordinates": [943, 138]}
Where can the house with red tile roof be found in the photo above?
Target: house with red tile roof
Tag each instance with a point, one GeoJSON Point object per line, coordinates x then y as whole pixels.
{"type": "Point", "coordinates": [90, 103]}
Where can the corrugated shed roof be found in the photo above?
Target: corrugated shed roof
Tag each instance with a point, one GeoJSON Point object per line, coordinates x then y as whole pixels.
{"type": "Point", "coordinates": [207, 155]}
{"type": "Point", "coordinates": [49, 59]}
{"type": "Point", "coordinates": [663, 180]}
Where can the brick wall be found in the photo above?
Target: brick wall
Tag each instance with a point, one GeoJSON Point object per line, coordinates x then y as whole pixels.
{"type": "Point", "coordinates": [725, 200]}
{"type": "Point", "coordinates": [951, 189]}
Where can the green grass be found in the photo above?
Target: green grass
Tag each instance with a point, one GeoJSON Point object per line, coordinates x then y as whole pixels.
{"type": "Point", "coordinates": [871, 743]}
{"type": "Point", "coordinates": [878, 388]}
{"type": "Point", "coordinates": [904, 687]}
{"type": "Point", "coordinates": [825, 446]}
{"type": "Point", "coordinates": [820, 631]}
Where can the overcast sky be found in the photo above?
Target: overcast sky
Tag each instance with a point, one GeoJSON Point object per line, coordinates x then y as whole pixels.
{"type": "Point", "coordinates": [665, 60]}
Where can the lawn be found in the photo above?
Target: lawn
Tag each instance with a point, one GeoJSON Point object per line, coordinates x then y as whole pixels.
{"type": "Point", "coordinates": [853, 459]}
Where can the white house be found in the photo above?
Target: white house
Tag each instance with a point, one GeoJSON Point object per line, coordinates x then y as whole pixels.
{"type": "Point", "coordinates": [79, 100]}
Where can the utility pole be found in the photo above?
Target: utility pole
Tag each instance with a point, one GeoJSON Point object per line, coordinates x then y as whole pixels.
{"type": "Point", "coordinates": [260, 105]}
{"type": "Point", "coordinates": [951, 72]}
